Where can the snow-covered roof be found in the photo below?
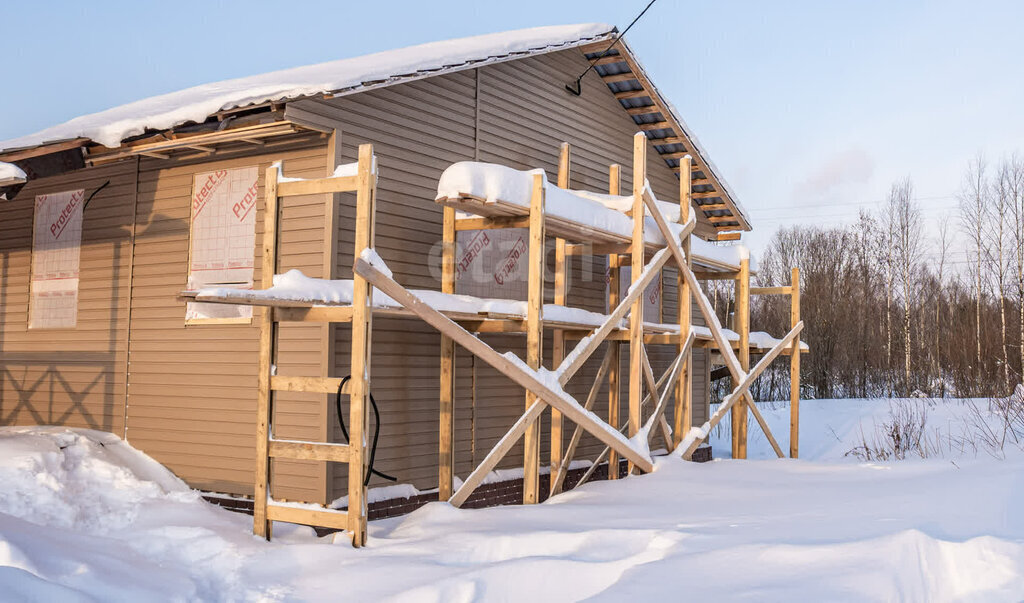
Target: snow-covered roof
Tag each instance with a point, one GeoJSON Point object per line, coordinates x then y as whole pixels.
{"type": "Point", "coordinates": [195, 104]}
{"type": "Point", "coordinates": [11, 174]}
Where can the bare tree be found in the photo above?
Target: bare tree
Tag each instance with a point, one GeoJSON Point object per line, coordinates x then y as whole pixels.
{"type": "Point", "coordinates": [973, 208]}
{"type": "Point", "coordinates": [1014, 173]}
{"type": "Point", "coordinates": [908, 247]}
{"type": "Point", "coordinates": [944, 244]}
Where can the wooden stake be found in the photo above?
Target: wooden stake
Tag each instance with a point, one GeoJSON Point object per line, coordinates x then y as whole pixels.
{"type": "Point", "coordinates": [636, 316]}
{"type": "Point", "coordinates": [558, 336]}
{"type": "Point", "coordinates": [362, 323]}
{"type": "Point", "coordinates": [261, 524]}
{"type": "Point", "coordinates": [446, 431]}
{"type": "Point", "coordinates": [794, 369]}
{"type": "Point", "coordinates": [534, 337]}
{"type": "Point", "coordinates": [683, 416]}
{"type": "Point", "coordinates": [739, 411]}
{"type": "Point", "coordinates": [614, 372]}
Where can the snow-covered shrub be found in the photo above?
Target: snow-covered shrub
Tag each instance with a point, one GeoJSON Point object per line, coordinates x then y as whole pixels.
{"type": "Point", "coordinates": [903, 434]}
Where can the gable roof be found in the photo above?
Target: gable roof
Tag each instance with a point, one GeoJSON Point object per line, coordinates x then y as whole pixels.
{"type": "Point", "coordinates": [671, 138]}
{"type": "Point", "coordinates": [195, 104]}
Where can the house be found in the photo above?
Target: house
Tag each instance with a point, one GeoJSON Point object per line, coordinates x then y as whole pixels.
{"type": "Point", "coordinates": [112, 225]}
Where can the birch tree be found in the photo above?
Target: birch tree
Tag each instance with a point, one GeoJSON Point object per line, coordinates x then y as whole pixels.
{"type": "Point", "coordinates": [908, 246]}
{"type": "Point", "coordinates": [973, 208]}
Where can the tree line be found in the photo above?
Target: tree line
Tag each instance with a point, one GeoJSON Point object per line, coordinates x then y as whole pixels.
{"type": "Point", "coordinates": [887, 307]}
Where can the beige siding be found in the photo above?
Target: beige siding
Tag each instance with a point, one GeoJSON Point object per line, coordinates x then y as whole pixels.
{"type": "Point", "coordinates": [190, 390]}
{"type": "Point", "coordinates": [418, 129]}
{"type": "Point", "coordinates": [76, 376]}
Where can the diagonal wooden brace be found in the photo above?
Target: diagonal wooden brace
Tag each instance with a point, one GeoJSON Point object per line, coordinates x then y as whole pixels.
{"type": "Point", "coordinates": [666, 431]}
{"type": "Point", "coordinates": [728, 356]}
{"type": "Point", "coordinates": [570, 451]}
{"type": "Point", "coordinates": [515, 371]}
{"type": "Point", "coordinates": [697, 434]}
{"type": "Point", "coordinates": [589, 344]}
{"type": "Point", "coordinates": [661, 381]}
{"type": "Point", "coordinates": [497, 453]}
{"type": "Point", "coordinates": [659, 410]}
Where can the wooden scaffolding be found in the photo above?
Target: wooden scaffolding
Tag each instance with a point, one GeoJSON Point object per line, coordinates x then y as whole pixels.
{"type": "Point", "coordinates": [544, 388]}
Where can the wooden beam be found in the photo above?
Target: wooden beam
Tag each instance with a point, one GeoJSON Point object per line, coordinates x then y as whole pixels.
{"type": "Point", "coordinates": [593, 466]}
{"type": "Point", "coordinates": [534, 337]}
{"type": "Point", "coordinates": [722, 219]}
{"type": "Point", "coordinates": [671, 139]}
{"type": "Point", "coordinates": [589, 345]}
{"type": "Point", "coordinates": [337, 520]}
{"type": "Point", "coordinates": [682, 418]}
{"type": "Point", "coordinates": [658, 125]}
{"type": "Point", "coordinates": [317, 385]}
{"type": "Point", "coordinates": [45, 149]}
{"type": "Point", "coordinates": [317, 186]}
{"type": "Point", "coordinates": [492, 223]}
{"type": "Point", "coordinates": [648, 110]}
{"type": "Point", "coordinates": [712, 206]}
{"type": "Point", "coordinates": [709, 195]}
{"type": "Point", "coordinates": [570, 451]}
{"type": "Point", "coordinates": [636, 315]}
{"type": "Point", "coordinates": [614, 372]}
{"type": "Point", "coordinates": [558, 335]}
{"type": "Point", "coordinates": [742, 327]}
{"type": "Point", "coordinates": [261, 521]}
{"type": "Point", "coordinates": [679, 155]}
{"type": "Point", "coordinates": [628, 94]}
{"type": "Point", "coordinates": [771, 290]}
{"type": "Point", "coordinates": [309, 451]}
{"type": "Point", "coordinates": [670, 387]}
{"type": "Point", "coordinates": [362, 327]}
{"type": "Point", "coordinates": [531, 416]}
{"type": "Point", "coordinates": [514, 370]}
{"type": "Point", "coordinates": [794, 368]}
{"type": "Point", "coordinates": [610, 59]}
{"type": "Point", "coordinates": [619, 77]}
{"type": "Point", "coordinates": [740, 391]}
{"type": "Point", "coordinates": [714, 276]}
{"type": "Point", "coordinates": [713, 324]}
{"type": "Point", "coordinates": [728, 236]}
{"type": "Point", "coordinates": [446, 421]}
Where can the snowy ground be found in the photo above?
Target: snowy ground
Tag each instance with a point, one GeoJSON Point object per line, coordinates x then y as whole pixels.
{"type": "Point", "coordinates": [84, 517]}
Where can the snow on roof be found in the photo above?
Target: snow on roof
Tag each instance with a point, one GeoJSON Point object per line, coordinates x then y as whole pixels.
{"type": "Point", "coordinates": [494, 182]}
{"type": "Point", "coordinates": [195, 104]}
{"type": "Point", "coordinates": [11, 174]}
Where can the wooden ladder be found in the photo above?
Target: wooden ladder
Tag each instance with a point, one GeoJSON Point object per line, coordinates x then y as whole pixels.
{"type": "Point", "coordinates": [266, 510]}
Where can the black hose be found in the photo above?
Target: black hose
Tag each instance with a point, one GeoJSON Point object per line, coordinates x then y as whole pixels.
{"type": "Point", "coordinates": [376, 432]}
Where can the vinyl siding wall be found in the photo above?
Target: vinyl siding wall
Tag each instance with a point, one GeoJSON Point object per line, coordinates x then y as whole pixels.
{"type": "Point", "coordinates": [190, 391]}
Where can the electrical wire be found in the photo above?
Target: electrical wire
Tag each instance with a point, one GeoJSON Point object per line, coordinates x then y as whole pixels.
{"type": "Point", "coordinates": [376, 432]}
{"type": "Point", "coordinates": [577, 88]}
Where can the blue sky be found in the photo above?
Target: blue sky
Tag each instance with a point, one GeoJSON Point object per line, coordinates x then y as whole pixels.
{"type": "Point", "coordinates": [810, 109]}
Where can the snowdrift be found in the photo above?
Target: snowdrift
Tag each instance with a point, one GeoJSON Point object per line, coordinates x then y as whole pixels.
{"type": "Point", "coordinates": [83, 516]}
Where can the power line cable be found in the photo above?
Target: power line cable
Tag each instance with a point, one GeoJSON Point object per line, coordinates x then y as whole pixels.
{"type": "Point", "coordinates": [577, 88]}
